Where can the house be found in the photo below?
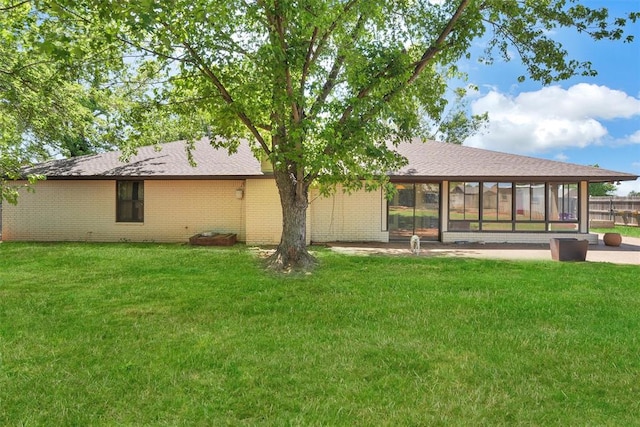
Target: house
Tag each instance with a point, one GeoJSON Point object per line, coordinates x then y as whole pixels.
{"type": "Point", "coordinates": [446, 192]}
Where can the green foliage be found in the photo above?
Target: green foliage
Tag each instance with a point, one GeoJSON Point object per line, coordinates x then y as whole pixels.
{"type": "Point", "coordinates": [323, 88]}
{"type": "Point", "coordinates": [43, 100]}
{"type": "Point", "coordinates": [10, 162]}
{"type": "Point", "coordinates": [44, 107]}
{"type": "Point", "coordinates": [174, 335]}
{"type": "Point", "coordinates": [602, 188]}
{"type": "Point", "coordinates": [63, 91]}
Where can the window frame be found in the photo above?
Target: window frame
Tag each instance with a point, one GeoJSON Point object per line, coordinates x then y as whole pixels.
{"type": "Point", "coordinates": [497, 224]}
{"type": "Point", "coordinates": [471, 203]}
{"type": "Point", "coordinates": [416, 206]}
{"type": "Point", "coordinates": [136, 214]}
{"type": "Point", "coordinates": [534, 191]}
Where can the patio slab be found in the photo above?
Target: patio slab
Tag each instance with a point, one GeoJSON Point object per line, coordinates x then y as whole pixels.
{"type": "Point", "coordinates": [627, 253]}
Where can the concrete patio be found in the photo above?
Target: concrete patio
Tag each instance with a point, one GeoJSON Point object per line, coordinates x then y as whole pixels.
{"type": "Point", "coordinates": [627, 253]}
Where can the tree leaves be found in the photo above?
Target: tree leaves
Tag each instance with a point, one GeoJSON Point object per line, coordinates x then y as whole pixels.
{"type": "Point", "coordinates": [526, 28]}
{"type": "Point", "coordinates": [324, 88]}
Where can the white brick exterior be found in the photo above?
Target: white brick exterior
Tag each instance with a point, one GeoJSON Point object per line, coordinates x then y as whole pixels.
{"type": "Point", "coordinates": [174, 210]}
{"type": "Point", "coordinates": [264, 214]}
{"type": "Point", "coordinates": [360, 216]}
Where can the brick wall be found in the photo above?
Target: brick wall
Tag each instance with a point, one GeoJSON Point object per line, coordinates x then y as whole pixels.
{"type": "Point", "coordinates": [174, 210]}
{"type": "Point", "coordinates": [263, 212]}
{"type": "Point", "coordinates": [85, 211]}
{"type": "Point", "coordinates": [177, 209]}
{"type": "Point", "coordinates": [360, 216]}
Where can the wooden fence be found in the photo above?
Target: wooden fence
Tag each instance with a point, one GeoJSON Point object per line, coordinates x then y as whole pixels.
{"type": "Point", "coordinates": [622, 210]}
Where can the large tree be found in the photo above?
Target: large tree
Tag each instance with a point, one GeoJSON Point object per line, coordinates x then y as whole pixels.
{"type": "Point", "coordinates": [322, 89]}
{"type": "Point", "coordinates": [63, 90]}
{"type": "Point", "coordinates": [46, 108]}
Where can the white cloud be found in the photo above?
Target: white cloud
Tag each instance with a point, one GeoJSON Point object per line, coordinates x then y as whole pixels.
{"type": "Point", "coordinates": [626, 187]}
{"type": "Point", "coordinates": [634, 138]}
{"type": "Point", "coordinates": [552, 117]}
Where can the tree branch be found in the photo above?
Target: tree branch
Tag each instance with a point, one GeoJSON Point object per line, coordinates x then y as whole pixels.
{"type": "Point", "coordinates": [14, 6]}
{"type": "Point", "coordinates": [122, 39]}
{"type": "Point", "coordinates": [419, 66]}
{"type": "Point", "coordinates": [25, 82]}
{"type": "Point", "coordinates": [325, 36]}
{"type": "Point", "coordinates": [314, 54]}
{"type": "Point", "coordinates": [504, 31]}
{"type": "Point", "coordinates": [277, 22]}
{"type": "Point", "coordinates": [150, 50]}
{"type": "Point", "coordinates": [331, 81]}
{"type": "Point", "coordinates": [437, 46]}
{"type": "Point", "coordinates": [226, 96]}
{"type": "Point", "coordinates": [307, 60]}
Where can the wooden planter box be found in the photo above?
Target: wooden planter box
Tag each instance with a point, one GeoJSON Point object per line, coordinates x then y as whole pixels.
{"type": "Point", "coordinates": [213, 240]}
{"type": "Point", "coordinates": [568, 249]}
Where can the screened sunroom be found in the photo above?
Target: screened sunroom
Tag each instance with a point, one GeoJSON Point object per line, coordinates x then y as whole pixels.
{"type": "Point", "coordinates": [451, 210]}
{"type": "Point", "coordinates": [455, 193]}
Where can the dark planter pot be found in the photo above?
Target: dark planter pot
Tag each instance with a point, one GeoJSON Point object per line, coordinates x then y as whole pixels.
{"type": "Point", "coordinates": [568, 249]}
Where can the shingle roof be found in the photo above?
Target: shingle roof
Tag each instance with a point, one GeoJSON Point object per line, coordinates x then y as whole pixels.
{"type": "Point", "coordinates": [440, 161]}
{"type": "Point", "coordinates": [427, 160]}
{"type": "Point", "coordinates": [170, 161]}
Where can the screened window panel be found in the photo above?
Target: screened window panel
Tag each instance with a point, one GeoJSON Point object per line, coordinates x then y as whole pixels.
{"type": "Point", "coordinates": [505, 201]}
{"type": "Point", "coordinates": [523, 202]}
{"type": "Point", "coordinates": [130, 201]}
{"type": "Point", "coordinates": [563, 226]}
{"type": "Point", "coordinates": [489, 201]}
{"type": "Point", "coordinates": [537, 202]}
{"type": "Point", "coordinates": [456, 200]}
{"type": "Point", "coordinates": [507, 206]}
{"type": "Point", "coordinates": [530, 226]}
{"type": "Point", "coordinates": [563, 202]}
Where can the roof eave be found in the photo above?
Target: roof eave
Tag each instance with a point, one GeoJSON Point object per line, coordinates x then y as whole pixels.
{"type": "Point", "coordinates": [153, 177]}
{"type": "Point", "coordinates": [512, 178]}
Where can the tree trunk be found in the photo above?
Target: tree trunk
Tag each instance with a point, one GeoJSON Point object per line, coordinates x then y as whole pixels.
{"type": "Point", "coordinates": [292, 253]}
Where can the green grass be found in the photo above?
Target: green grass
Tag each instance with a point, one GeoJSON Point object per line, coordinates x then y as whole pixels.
{"type": "Point", "coordinates": [624, 230]}
{"type": "Point", "coordinates": [127, 334]}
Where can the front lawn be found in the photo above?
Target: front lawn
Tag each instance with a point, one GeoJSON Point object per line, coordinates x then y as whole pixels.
{"type": "Point", "coordinates": [127, 334]}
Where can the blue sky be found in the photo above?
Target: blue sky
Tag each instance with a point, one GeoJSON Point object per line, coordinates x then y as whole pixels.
{"type": "Point", "coordinates": [584, 120]}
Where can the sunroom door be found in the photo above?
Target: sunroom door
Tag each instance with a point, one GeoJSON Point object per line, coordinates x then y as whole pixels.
{"type": "Point", "coordinates": [415, 209]}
